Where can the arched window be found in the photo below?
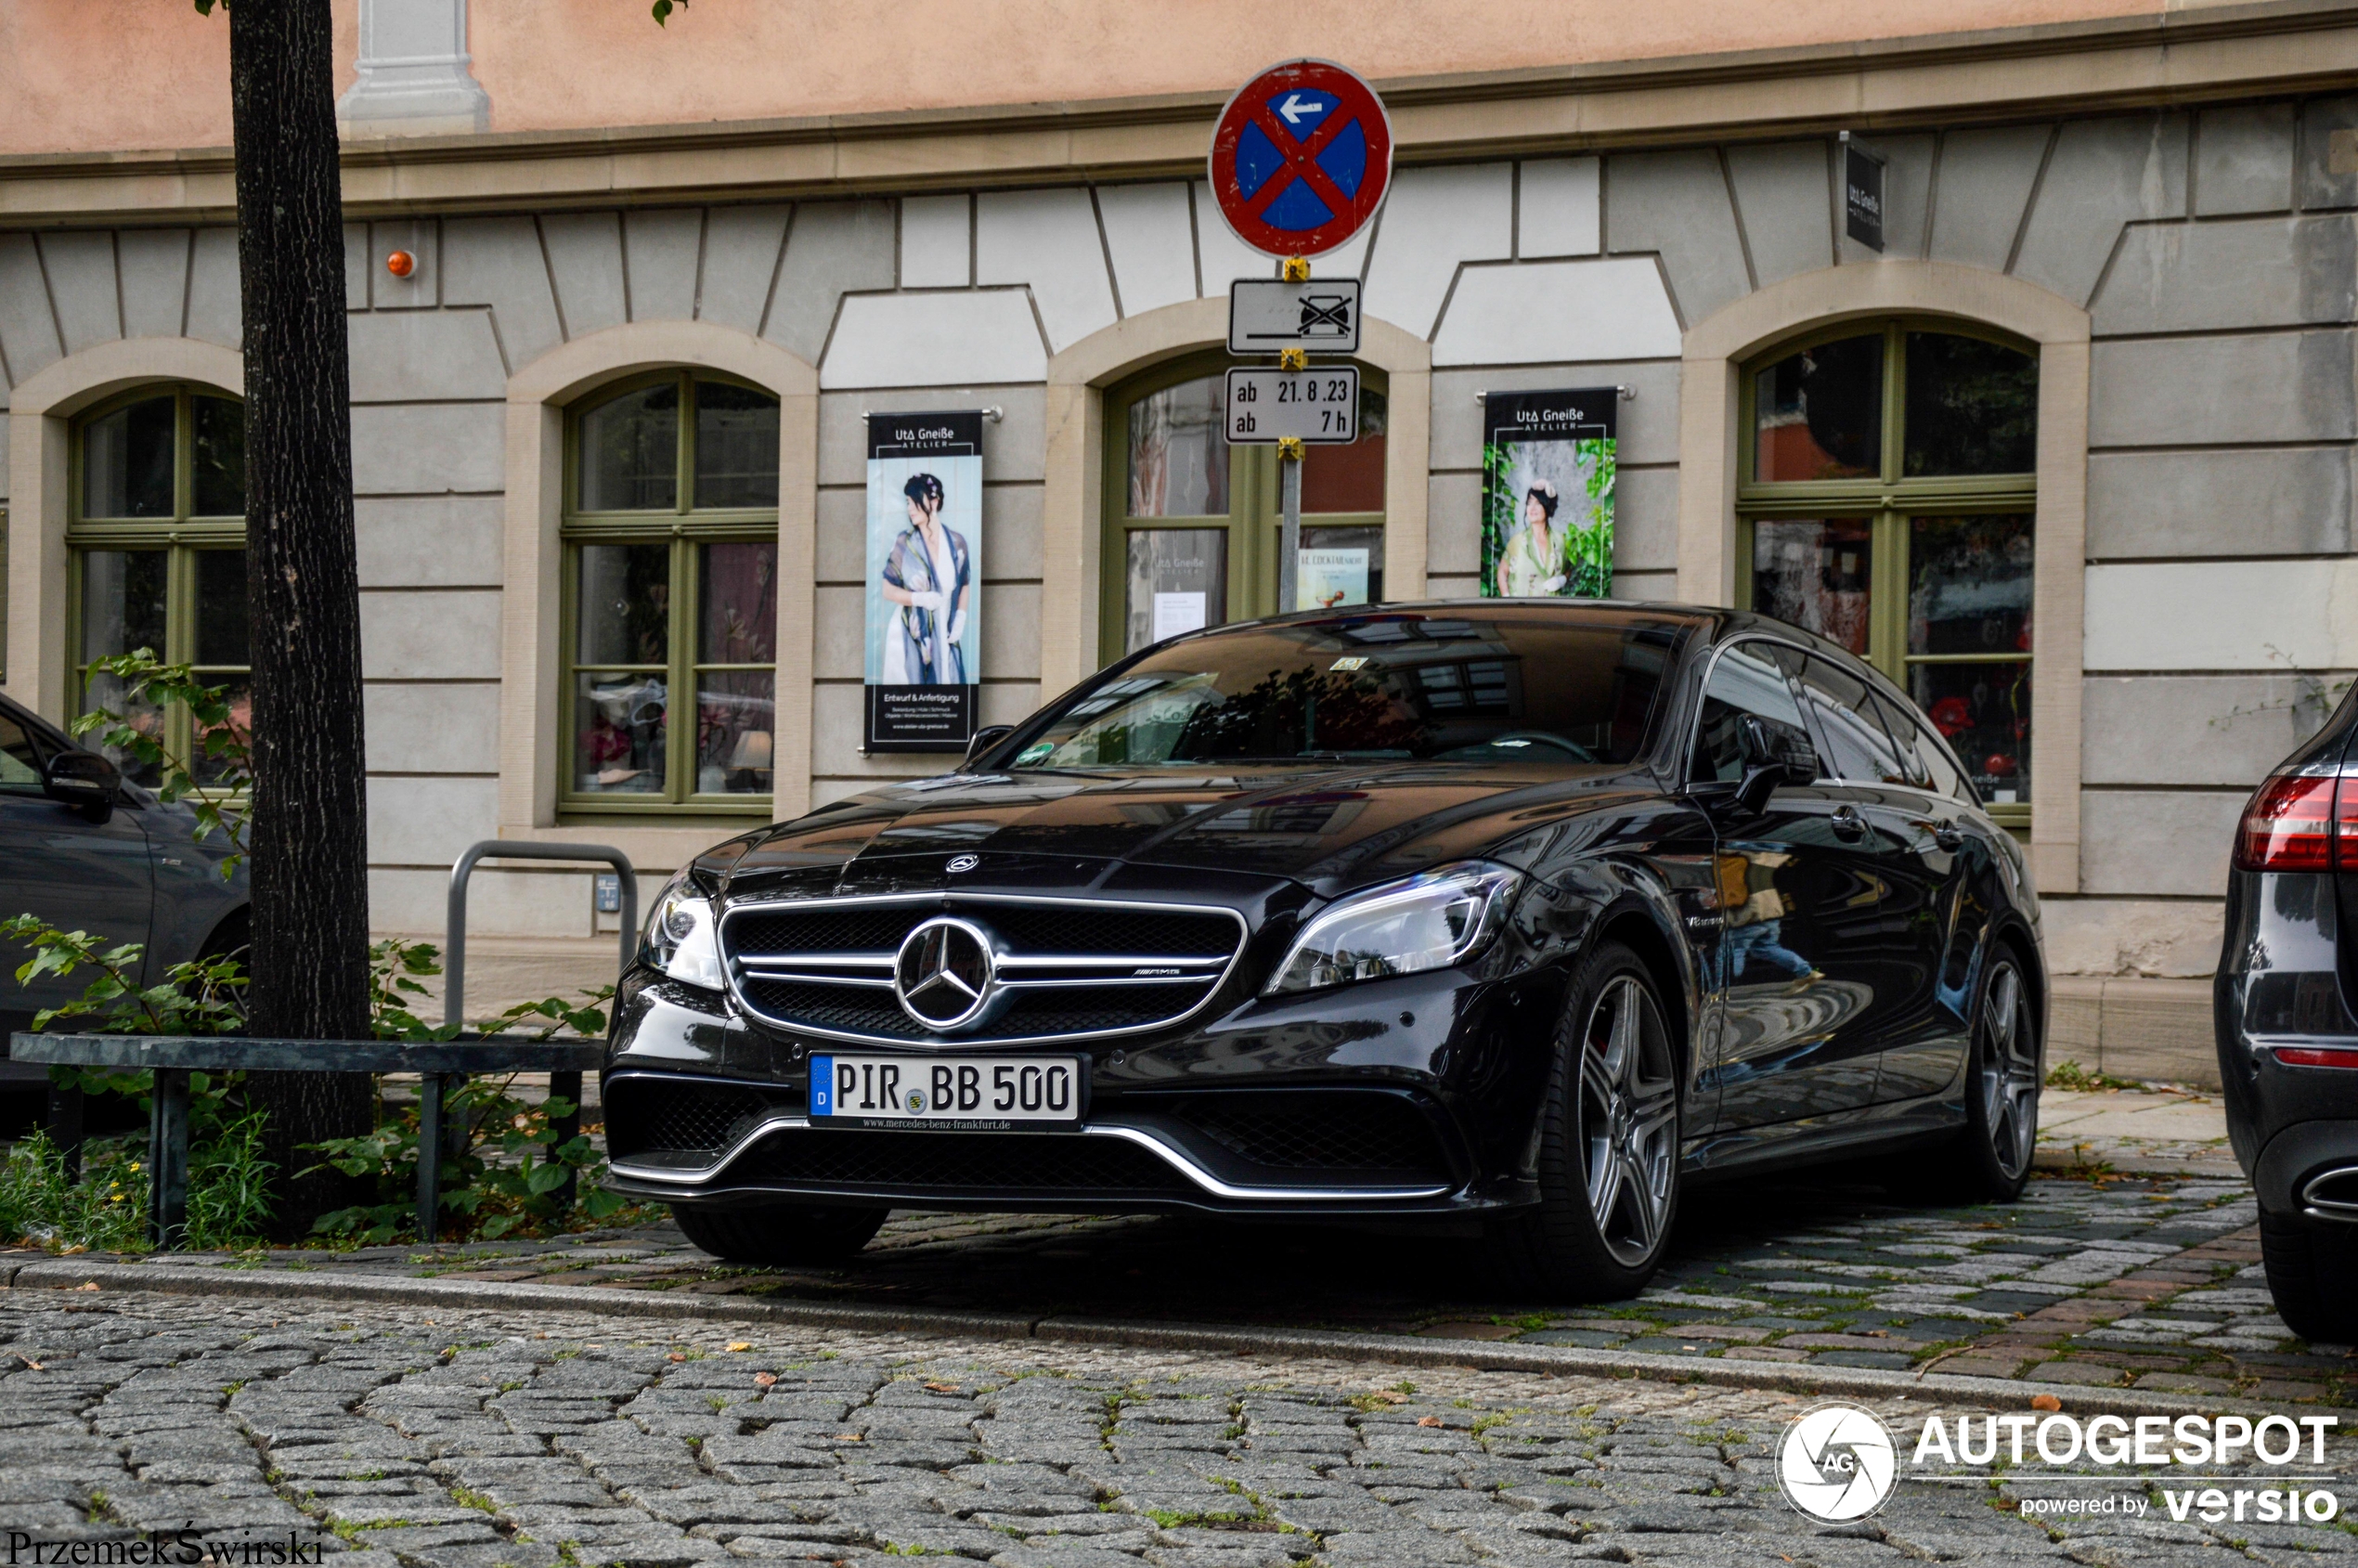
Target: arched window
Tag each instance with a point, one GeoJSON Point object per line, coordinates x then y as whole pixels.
{"type": "Point", "coordinates": [1193, 525]}
{"type": "Point", "coordinates": [156, 529]}
{"type": "Point", "coordinates": [1886, 502]}
{"type": "Point", "coordinates": [671, 593]}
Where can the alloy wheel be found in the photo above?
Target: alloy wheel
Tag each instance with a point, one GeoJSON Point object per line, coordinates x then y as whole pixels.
{"type": "Point", "coordinates": [2009, 1071]}
{"type": "Point", "coordinates": [1628, 1120]}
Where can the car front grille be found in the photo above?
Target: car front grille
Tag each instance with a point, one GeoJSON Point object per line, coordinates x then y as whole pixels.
{"type": "Point", "coordinates": [1064, 968]}
{"type": "Point", "coordinates": [683, 1122]}
{"type": "Point", "coordinates": [958, 1164]}
{"type": "Point", "coordinates": [1339, 1133]}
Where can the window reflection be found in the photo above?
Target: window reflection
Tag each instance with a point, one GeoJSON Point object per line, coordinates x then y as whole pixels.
{"type": "Point", "coordinates": [1972, 406]}
{"type": "Point", "coordinates": [1177, 582]}
{"type": "Point", "coordinates": [1969, 585]}
{"type": "Point", "coordinates": [736, 447]}
{"type": "Point", "coordinates": [1815, 574]}
{"type": "Point", "coordinates": [1819, 414]}
{"type": "Point", "coordinates": [630, 451]}
{"type": "Point", "coordinates": [126, 461]}
{"type": "Point", "coordinates": [1982, 711]}
{"type": "Point", "coordinates": [1179, 451]}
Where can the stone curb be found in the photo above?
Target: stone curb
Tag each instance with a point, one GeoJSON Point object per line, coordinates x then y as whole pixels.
{"type": "Point", "coordinates": [1393, 1349]}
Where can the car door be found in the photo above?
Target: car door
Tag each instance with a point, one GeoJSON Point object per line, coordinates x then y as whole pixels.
{"type": "Point", "coordinates": [1954, 846]}
{"type": "Point", "coordinates": [1895, 919]}
{"type": "Point", "coordinates": [59, 866]}
{"type": "Point", "coordinates": [1788, 994]}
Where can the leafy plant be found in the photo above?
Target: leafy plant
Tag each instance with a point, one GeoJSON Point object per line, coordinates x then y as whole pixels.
{"type": "Point", "coordinates": [220, 741]}
{"type": "Point", "coordinates": [508, 1175]}
{"type": "Point", "coordinates": [201, 996]}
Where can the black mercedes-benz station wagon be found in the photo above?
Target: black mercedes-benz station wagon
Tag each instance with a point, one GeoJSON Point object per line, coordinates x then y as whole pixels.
{"type": "Point", "coordinates": [2287, 1032]}
{"type": "Point", "coordinates": [1507, 915]}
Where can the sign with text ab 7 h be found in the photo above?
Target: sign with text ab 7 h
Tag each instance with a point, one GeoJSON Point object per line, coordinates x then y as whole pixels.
{"type": "Point", "coordinates": [1319, 407]}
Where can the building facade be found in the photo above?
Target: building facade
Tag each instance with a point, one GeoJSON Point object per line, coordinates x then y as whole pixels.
{"type": "Point", "coordinates": [2071, 458]}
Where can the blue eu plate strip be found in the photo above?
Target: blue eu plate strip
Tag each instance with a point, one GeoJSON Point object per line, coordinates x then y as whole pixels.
{"type": "Point", "coordinates": [823, 1086]}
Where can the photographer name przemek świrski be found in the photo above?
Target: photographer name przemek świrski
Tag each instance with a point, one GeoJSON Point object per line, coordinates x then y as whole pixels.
{"type": "Point", "coordinates": [165, 1549]}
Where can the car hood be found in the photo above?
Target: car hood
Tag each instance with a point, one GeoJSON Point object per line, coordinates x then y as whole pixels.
{"type": "Point", "coordinates": [1329, 828]}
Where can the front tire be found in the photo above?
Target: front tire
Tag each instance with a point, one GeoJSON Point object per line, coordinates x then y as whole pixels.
{"type": "Point", "coordinates": [1609, 1137]}
{"type": "Point", "coordinates": [2312, 1274]}
{"type": "Point", "coordinates": [784, 1237]}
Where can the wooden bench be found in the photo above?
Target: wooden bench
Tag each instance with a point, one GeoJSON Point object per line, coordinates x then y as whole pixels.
{"type": "Point", "coordinates": [441, 1067]}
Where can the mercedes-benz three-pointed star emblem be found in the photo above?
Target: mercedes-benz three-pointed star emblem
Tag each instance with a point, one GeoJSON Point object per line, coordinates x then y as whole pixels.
{"type": "Point", "coordinates": [945, 974]}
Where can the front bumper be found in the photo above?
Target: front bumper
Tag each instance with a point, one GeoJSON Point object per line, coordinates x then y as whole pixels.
{"type": "Point", "coordinates": [1408, 1096]}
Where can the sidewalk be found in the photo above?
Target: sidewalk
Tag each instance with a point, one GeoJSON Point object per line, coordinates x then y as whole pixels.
{"type": "Point", "coordinates": [2153, 1132]}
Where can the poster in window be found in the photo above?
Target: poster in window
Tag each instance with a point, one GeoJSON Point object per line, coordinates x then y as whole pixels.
{"type": "Point", "coordinates": [925, 580]}
{"type": "Point", "coordinates": [1548, 462]}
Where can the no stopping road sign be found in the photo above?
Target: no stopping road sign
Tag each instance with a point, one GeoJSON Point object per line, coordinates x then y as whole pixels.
{"type": "Point", "coordinates": [1301, 158]}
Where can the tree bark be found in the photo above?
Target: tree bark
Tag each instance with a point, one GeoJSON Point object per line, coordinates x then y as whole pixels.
{"type": "Point", "coordinates": [308, 833]}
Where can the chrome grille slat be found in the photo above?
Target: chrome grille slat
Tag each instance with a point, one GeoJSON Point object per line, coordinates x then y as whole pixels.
{"type": "Point", "coordinates": [814, 966]}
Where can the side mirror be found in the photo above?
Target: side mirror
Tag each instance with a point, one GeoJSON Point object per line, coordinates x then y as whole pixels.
{"type": "Point", "coordinates": [83, 779]}
{"type": "Point", "coordinates": [985, 738]}
{"type": "Point", "coordinates": [1774, 755]}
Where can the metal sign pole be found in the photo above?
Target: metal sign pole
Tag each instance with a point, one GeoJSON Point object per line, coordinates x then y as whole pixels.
{"type": "Point", "coordinates": [1289, 535]}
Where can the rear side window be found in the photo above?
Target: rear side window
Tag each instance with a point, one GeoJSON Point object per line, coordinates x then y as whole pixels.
{"type": "Point", "coordinates": [1747, 679]}
{"type": "Point", "coordinates": [1859, 744]}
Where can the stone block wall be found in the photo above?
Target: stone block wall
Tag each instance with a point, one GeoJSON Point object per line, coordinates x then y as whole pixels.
{"type": "Point", "coordinates": [2214, 251]}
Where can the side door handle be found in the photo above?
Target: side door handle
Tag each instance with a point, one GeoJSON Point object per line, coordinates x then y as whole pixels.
{"type": "Point", "coordinates": [1846, 822]}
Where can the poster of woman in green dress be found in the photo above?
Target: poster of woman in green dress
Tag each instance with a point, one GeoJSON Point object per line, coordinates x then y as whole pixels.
{"type": "Point", "coordinates": [1547, 461]}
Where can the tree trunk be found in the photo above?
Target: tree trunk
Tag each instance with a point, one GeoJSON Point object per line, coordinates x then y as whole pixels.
{"type": "Point", "coordinates": [310, 829]}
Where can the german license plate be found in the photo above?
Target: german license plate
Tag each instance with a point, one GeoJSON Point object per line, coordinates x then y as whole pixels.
{"type": "Point", "coordinates": [959, 1094]}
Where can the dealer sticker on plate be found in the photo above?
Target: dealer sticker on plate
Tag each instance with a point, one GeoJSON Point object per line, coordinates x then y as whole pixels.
{"type": "Point", "coordinates": [959, 1094]}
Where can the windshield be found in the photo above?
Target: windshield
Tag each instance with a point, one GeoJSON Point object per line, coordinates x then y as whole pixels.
{"type": "Point", "coordinates": [1521, 688]}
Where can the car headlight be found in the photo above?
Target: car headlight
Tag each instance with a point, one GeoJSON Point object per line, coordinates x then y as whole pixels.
{"type": "Point", "coordinates": [681, 938]}
{"type": "Point", "coordinates": [1429, 921]}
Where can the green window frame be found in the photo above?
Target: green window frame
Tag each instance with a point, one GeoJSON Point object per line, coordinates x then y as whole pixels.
{"type": "Point", "coordinates": [734, 696]}
{"type": "Point", "coordinates": [1252, 524]}
{"type": "Point", "coordinates": [198, 595]}
{"type": "Point", "coordinates": [1898, 518]}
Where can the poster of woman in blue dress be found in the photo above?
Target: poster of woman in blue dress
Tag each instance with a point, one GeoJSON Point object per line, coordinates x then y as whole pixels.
{"type": "Point", "coordinates": [929, 575]}
{"type": "Point", "coordinates": [925, 506]}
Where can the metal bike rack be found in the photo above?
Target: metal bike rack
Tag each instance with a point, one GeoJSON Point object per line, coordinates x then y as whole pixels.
{"type": "Point", "coordinates": [454, 951]}
{"type": "Point", "coordinates": [433, 1088]}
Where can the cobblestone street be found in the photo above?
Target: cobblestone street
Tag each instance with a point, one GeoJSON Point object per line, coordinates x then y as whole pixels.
{"type": "Point", "coordinates": [2149, 1282]}
{"type": "Point", "coordinates": [477, 1440]}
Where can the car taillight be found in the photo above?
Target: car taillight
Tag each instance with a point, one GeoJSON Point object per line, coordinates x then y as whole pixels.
{"type": "Point", "coordinates": [2315, 1055]}
{"type": "Point", "coordinates": [2294, 823]}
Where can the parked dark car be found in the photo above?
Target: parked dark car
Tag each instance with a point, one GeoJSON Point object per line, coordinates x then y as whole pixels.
{"type": "Point", "coordinates": [2288, 1035]}
{"type": "Point", "coordinates": [88, 851]}
{"type": "Point", "coordinates": [1499, 914]}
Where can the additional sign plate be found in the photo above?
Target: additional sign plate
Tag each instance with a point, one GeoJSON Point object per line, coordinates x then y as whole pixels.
{"type": "Point", "coordinates": [1266, 315]}
{"type": "Point", "coordinates": [1301, 158]}
{"type": "Point", "coordinates": [958, 1093]}
{"type": "Point", "coordinates": [1319, 405]}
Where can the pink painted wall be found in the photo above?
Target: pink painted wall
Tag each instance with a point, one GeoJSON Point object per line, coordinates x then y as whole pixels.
{"type": "Point", "coordinates": [83, 75]}
{"type": "Point", "coordinates": [95, 74]}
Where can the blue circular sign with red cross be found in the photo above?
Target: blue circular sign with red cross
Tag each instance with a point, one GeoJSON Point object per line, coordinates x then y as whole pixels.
{"type": "Point", "coordinates": [1301, 158]}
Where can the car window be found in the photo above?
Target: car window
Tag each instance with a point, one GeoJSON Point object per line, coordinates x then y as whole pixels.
{"type": "Point", "coordinates": [19, 761]}
{"type": "Point", "coordinates": [1937, 769]}
{"type": "Point", "coordinates": [1747, 679]}
{"type": "Point", "coordinates": [1858, 746]}
{"type": "Point", "coordinates": [1497, 687]}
